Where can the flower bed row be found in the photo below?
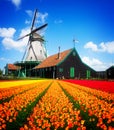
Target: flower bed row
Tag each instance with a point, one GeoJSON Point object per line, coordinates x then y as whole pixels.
{"type": "Point", "coordinates": [103, 111]}
{"type": "Point", "coordinates": [57, 105]}
{"type": "Point", "coordinates": [107, 86]}
{"type": "Point", "coordinates": [7, 93]}
{"type": "Point", "coordinates": [54, 111]}
{"type": "Point", "coordinates": [108, 97]}
{"type": "Point", "coordinates": [9, 110]}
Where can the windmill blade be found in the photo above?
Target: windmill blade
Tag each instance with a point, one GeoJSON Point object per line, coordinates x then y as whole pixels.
{"type": "Point", "coordinates": [23, 36]}
{"type": "Point", "coordinates": [38, 39]}
{"type": "Point", "coordinates": [33, 19]}
{"type": "Point", "coordinates": [25, 51]}
{"type": "Point", "coordinates": [41, 27]}
{"type": "Point", "coordinates": [35, 30]}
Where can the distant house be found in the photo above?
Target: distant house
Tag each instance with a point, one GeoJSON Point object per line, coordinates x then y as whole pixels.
{"type": "Point", "coordinates": [11, 69]}
{"type": "Point", "coordinates": [110, 72]}
{"type": "Point", "coordinates": [101, 74]}
{"type": "Point", "coordinates": [66, 64]}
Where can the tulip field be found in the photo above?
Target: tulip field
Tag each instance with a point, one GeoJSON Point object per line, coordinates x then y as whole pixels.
{"type": "Point", "coordinates": [107, 86]}
{"type": "Point", "coordinates": [56, 105]}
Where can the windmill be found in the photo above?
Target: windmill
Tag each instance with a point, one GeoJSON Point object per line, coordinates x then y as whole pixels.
{"type": "Point", "coordinates": [35, 49]}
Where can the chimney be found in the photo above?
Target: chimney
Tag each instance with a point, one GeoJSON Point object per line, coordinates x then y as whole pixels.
{"type": "Point", "coordinates": [59, 53]}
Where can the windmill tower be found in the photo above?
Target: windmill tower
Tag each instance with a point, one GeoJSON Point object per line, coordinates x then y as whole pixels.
{"type": "Point", "coordinates": [35, 51]}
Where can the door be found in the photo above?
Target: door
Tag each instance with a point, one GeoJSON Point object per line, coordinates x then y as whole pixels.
{"type": "Point", "coordinates": [72, 73]}
{"type": "Point", "coordinates": [88, 74]}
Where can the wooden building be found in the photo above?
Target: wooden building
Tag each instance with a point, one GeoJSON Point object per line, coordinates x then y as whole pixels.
{"type": "Point", "coordinates": [11, 69]}
{"type": "Point", "coordinates": [110, 72]}
{"type": "Point", "coordinates": [66, 64]}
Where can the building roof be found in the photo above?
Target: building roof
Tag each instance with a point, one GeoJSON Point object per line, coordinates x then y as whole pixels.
{"type": "Point", "coordinates": [12, 67]}
{"type": "Point", "coordinates": [54, 59]}
{"type": "Point", "coordinates": [111, 67]}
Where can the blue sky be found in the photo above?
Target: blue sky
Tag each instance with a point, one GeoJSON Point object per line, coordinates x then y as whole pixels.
{"type": "Point", "coordinates": [90, 22]}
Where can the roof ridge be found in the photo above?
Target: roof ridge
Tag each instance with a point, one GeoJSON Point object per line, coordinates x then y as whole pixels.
{"type": "Point", "coordinates": [53, 60]}
{"type": "Point", "coordinates": [60, 52]}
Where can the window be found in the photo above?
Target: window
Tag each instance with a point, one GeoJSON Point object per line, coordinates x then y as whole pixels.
{"type": "Point", "coordinates": [60, 69]}
{"type": "Point", "coordinates": [74, 54]}
{"type": "Point", "coordinates": [41, 52]}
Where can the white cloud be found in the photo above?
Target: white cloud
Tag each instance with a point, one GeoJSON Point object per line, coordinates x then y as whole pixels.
{"type": "Point", "coordinates": [4, 59]}
{"type": "Point", "coordinates": [16, 2]}
{"type": "Point", "coordinates": [12, 44]}
{"type": "Point", "coordinates": [7, 32]}
{"type": "Point", "coordinates": [8, 41]}
{"type": "Point", "coordinates": [58, 21]}
{"type": "Point", "coordinates": [107, 47]}
{"type": "Point", "coordinates": [102, 47]}
{"type": "Point", "coordinates": [29, 12]}
{"type": "Point", "coordinates": [95, 63]}
{"type": "Point", "coordinates": [27, 21]}
{"type": "Point", "coordinates": [40, 18]}
{"type": "Point", "coordinates": [24, 32]}
{"type": "Point", "coordinates": [91, 45]}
